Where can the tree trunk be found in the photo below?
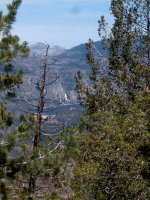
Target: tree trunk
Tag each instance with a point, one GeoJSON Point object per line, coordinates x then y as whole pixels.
{"type": "Point", "coordinates": [41, 101]}
{"type": "Point", "coordinates": [148, 30]}
{"type": "Point", "coordinates": [36, 142]}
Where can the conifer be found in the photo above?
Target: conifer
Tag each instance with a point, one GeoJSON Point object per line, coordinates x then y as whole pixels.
{"type": "Point", "coordinates": [9, 49]}
{"type": "Point", "coordinates": [114, 141]}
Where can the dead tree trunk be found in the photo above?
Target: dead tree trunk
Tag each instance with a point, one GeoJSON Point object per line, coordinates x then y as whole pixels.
{"type": "Point", "coordinates": [40, 107]}
{"type": "Point", "coordinates": [32, 183]}
{"type": "Point", "coordinates": [148, 30]}
{"type": "Point", "coordinates": [41, 100]}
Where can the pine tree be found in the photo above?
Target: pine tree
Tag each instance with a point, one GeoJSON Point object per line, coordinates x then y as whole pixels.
{"type": "Point", "coordinates": [9, 49]}
{"type": "Point", "coordinates": [40, 151]}
{"type": "Point", "coordinates": [114, 144]}
{"type": "Point", "coordinates": [44, 105]}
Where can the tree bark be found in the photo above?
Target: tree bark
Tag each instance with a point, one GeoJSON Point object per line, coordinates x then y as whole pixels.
{"type": "Point", "coordinates": [148, 30]}
{"type": "Point", "coordinates": [36, 142]}
{"type": "Point", "coordinates": [41, 101]}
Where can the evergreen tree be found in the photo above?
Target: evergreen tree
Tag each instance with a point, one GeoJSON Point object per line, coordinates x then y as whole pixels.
{"type": "Point", "coordinates": [9, 49]}
{"type": "Point", "coordinates": [114, 144]}
{"type": "Point", "coordinates": [39, 154]}
{"type": "Point", "coordinates": [38, 162]}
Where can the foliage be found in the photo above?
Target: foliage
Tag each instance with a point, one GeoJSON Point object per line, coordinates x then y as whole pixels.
{"type": "Point", "coordinates": [114, 139]}
{"type": "Point", "coordinates": [9, 49]}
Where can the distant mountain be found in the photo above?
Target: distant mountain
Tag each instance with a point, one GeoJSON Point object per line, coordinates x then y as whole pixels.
{"type": "Point", "coordinates": [78, 53]}
{"type": "Point", "coordinates": [39, 49]}
{"type": "Point", "coordinates": [68, 63]}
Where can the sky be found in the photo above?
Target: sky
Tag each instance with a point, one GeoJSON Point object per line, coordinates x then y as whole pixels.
{"type": "Point", "coordinates": [66, 23]}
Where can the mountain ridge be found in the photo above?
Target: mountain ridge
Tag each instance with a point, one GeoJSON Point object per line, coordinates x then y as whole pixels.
{"type": "Point", "coordinates": [67, 64]}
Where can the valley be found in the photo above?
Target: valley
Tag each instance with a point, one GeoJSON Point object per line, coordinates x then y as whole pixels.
{"type": "Point", "coordinates": [66, 64]}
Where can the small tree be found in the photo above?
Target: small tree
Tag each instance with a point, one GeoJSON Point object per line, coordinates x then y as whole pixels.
{"type": "Point", "coordinates": [9, 49]}
{"type": "Point", "coordinates": [40, 151]}
{"type": "Point", "coordinates": [40, 110]}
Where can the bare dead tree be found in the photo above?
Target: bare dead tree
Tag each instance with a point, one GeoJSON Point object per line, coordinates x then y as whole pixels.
{"type": "Point", "coordinates": [42, 102]}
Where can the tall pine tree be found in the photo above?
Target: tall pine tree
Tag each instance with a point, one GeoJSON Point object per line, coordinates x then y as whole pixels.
{"type": "Point", "coordinates": [114, 144]}
{"type": "Point", "coordinates": [9, 49]}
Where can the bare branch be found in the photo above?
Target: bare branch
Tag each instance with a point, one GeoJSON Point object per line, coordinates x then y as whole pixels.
{"type": "Point", "coordinates": [28, 102]}
{"type": "Point", "coordinates": [41, 157]}
{"type": "Point", "coordinates": [25, 111]}
{"type": "Point", "coordinates": [50, 101]}
{"type": "Point", "coordinates": [45, 93]}
{"type": "Point", "coordinates": [52, 62]}
{"type": "Point", "coordinates": [52, 109]}
{"type": "Point", "coordinates": [57, 76]}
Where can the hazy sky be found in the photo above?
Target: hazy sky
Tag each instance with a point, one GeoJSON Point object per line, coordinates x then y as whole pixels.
{"type": "Point", "coordinates": [59, 22]}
